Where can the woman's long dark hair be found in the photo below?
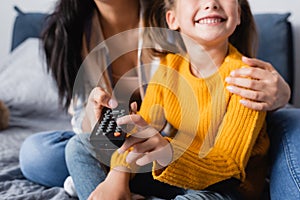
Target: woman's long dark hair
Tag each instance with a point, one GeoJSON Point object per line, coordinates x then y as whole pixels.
{"type": "Point", "coordinates": [62, 42]}
{"type": "Point", "coordinates": [244, 37]}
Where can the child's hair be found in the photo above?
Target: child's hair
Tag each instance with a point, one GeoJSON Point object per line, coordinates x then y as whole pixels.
{"type": "Point", "coordinates": [244, 37]}
{"type": "Point", "coordinates": [157, 28]}
{"type": "Point", "coordinates": [62, 42]}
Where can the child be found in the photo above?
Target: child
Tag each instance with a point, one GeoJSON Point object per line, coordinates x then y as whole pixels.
{"type": "Point", "coordinates": [220, 148]}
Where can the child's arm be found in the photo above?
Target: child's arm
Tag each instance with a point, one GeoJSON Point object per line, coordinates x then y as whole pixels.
{"type": "Point", "coordinates": [229, 155]}
{"type": "Point", "coordinates": [114, 187]}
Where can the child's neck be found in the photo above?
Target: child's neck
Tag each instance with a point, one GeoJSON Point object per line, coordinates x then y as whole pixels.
{"type": "Point", "coordinates": [207, 59]}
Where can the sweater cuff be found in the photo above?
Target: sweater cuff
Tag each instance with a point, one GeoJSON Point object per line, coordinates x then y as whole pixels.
{"type": "Point", "coordinates": [118, 162]}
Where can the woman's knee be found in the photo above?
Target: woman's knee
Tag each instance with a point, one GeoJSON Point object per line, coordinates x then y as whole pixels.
{"type": "Point", "coordinates": [76, 147]}
{"type": "Point", "coordinates": [42, 157]}
{"type": "Point", "coordinates": [72, 147]}
{"type": "Point", "coordinates": [76, 144]}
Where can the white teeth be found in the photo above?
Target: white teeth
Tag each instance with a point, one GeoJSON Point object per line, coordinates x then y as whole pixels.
{"type": "Point", "coordinates": [209, 21]}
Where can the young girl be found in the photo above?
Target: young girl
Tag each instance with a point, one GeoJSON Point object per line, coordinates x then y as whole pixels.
{"type": "Point", "coordinates": [220, 145]}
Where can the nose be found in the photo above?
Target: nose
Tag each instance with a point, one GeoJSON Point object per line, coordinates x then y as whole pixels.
{"type": "Point", "coordinates": [211, 5]}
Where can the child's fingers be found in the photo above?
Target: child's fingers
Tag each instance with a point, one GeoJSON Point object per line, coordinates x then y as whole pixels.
{"type": "Point", "coordinates": [133, 119]}
{"type": "Point", "coordinates": [133, 156]}
{"type": "Point", "coordinates": [133, 108]}
{"type": "Point", "coordinates": [138, 137]}
{"type": "Point", "coordinates": [129, 142]}
{"type": "Point", "coordinates": [162, 156]}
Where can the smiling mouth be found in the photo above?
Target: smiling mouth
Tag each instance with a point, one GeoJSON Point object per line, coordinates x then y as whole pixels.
{"type": "Point", "coordinates": [209, 20]}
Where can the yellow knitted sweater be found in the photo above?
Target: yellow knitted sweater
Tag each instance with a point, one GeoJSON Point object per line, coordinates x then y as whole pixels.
{"type": "Point", "coordinates": [216, 136]}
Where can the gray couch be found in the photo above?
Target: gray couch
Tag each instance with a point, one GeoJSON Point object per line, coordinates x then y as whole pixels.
{"type": "Point", "coordinates": [276, 43]}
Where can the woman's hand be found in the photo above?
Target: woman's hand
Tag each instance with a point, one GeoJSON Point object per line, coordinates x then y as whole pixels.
{"type": "Point", "coordinates": [148, 144]}
{"type": "Point", "coordinates": [97, 99]}
{"type": "Point", "coordinates": [114, 187]}
{"type": "Point", "coordinates": [266, 90]}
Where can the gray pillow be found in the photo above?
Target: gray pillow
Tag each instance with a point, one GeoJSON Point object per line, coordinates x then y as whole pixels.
{"type": "Point", "coordinates": [27, 25]}
{"type": "Point", "coordinates": [26, 86]}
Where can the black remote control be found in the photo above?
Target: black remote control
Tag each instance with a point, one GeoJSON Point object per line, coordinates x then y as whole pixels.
{"type": "Point", "coordinates": [107, 135]}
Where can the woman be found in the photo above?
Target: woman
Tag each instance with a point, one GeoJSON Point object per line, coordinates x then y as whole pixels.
{"type": "Point", "coordinates": [75, 28]}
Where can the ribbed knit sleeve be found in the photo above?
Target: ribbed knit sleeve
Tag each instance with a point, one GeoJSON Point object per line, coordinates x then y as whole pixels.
{"type": "Point", "coordinates": [227, 158]}
{"type": "Point", "coordinates": [118, 161]}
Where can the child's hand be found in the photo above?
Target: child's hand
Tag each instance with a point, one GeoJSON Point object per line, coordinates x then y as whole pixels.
{"type": "Point", "coordinates": [148, 144]}
{"type": "Point", "coordinates": [114, 187]}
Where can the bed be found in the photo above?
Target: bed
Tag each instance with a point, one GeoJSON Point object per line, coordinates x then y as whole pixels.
{"type": "Point", "coordinates": [31, 95]}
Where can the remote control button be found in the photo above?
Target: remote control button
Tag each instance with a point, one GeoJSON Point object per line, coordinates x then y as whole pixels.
{"type": "Point", "coordinates": [114, 112]}
{"type": "Point", "coordinates": [117, 134]}
{"type": "Point", "coordinates": [107, 127]}
{"type": "Point", "coordinates": [118, 129]}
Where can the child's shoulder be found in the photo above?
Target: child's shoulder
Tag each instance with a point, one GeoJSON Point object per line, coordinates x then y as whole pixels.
{"type": "Point", "coordinates": [170, 66]}
{"type": "Point", "coordinates": [234, 58]}
{"type": "Point", "coordinates": [174, 61]}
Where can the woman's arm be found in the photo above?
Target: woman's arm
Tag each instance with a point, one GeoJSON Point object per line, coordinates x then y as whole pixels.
{"type": "Point", "coordinates": [266, 90]}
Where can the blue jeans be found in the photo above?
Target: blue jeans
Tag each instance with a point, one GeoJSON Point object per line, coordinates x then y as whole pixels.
{"type": "Point", "coordinates": [284, 132]}
{"type": "Point", "coordinates": [87, 174]}
{"type": "Point", "coordinates": [42, 158]}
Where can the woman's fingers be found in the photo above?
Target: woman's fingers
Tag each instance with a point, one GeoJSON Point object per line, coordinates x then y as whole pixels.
{"type": "Point", "coordinates": [101, 97]}
{"type": "Point", "coordinates": [263, 106]}
{"type": "Point", "coordinates": [248, 94]}
{"type": "Point", "coordinates": [253, 62]}
{"type": "Point", "coordinates": [260, 85]}
{"type": "Point", "coordinates": [251, 72]}
{"type": "Point", "coordinates": [245, 83]}
{"type": "Point", "coordinates": [97, 100]}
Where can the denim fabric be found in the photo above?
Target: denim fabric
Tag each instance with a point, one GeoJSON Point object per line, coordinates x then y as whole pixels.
{"type": "Point", "coordinates": [284, 132]}
{"type": "Point", "coordinates": [42, 158]}
{"type": "Point", "coordinates": [83, 165]}
{"type": "Point", "coordinates": [87, 174]}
